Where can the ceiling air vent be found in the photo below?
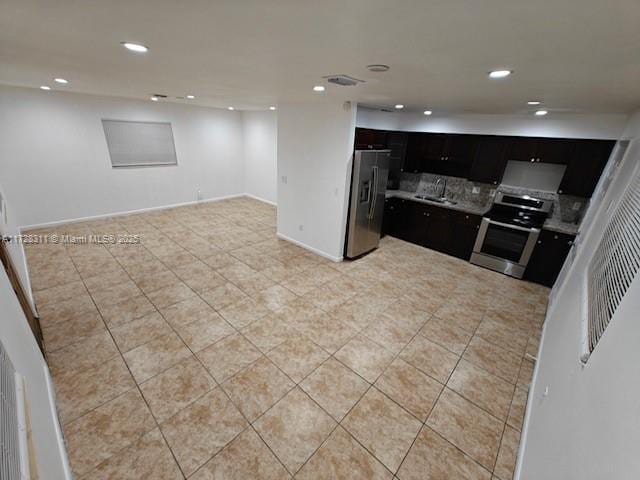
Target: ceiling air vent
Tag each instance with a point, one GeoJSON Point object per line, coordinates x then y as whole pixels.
{"type": "Point", "coordinates": [614, 265]}
{"type": "Point", "coordinates": [343, 80]}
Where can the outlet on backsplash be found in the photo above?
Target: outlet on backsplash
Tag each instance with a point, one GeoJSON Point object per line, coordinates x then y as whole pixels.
{"type": "Point", "coordinates": [475, 190]}
{"type": "Point", "coordinates": [576, 206]}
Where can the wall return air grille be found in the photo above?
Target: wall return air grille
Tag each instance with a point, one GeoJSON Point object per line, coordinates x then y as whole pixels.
{"type": "Point", "coordinates": [10, 460]}
{"type": "Point", "coordinates": [615, 263]}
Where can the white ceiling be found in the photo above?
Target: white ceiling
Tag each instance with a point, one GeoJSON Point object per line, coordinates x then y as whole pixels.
{"type": "Point", "coordinates": [575, 55]}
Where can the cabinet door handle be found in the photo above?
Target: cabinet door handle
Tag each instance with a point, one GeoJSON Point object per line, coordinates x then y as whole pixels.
{"type": "Point", "coordinates": [539, 242]}
{"type": "Point", "coordinates": [555, 237]}
{"type": "Point", "coordinates": [495, 182]}
{"type": "Point", "coordinates": [533, 159]}
{"type": "Point", "coordinates": [467, 217]}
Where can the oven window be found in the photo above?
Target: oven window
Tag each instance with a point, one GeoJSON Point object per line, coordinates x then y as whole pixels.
{"type": "Point", "coordinates": [504, 242]}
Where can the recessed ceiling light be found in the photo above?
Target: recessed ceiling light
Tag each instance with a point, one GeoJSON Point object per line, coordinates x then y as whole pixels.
{"type": "Point", "coordinates": [428, 112]}
{"type": "Point", "coordinates": [399, 106]}
{"type": "Point", "coordinates": [154, 99]}
{"type": "Point", "coordinates": [533, 102]}
{"type": "Point", "coordinates": [499, 73]}
{"type": "Point", "coordinates": [272, 108]}
{"type": "Point", "coordinates": [541, 113]}
{"type": "Point", "coordinates": [135, 47]}
{"type": "Point", "coordinates": [60, 80]}
{"type": "Point", "coordinates": [230, 108]}
{"type": "Point", "coordinates": [318, 88]}
{"type": "Point", "coordinates": [378, 67]}
{"type": "Point", "coordinates": [191, 97]}
{"type": "Point", "coordinates": [45, 87]}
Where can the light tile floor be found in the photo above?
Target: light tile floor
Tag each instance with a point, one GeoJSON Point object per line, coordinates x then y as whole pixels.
{"type": "Point", "coordinates": [214, 350]}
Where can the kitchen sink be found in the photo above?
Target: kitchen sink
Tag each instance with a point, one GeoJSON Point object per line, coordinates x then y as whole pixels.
{"type": "Point", "coordinates": [443, 200]}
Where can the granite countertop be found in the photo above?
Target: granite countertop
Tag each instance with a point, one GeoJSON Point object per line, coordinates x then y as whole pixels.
{"type": "Point", "coordinates": [553, 224]}
{"type": "Point", "coordinates": [461, 206]}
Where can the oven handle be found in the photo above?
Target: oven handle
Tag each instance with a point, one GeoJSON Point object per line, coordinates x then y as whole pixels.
{"type": "Point", "coordinates": [514, 227]}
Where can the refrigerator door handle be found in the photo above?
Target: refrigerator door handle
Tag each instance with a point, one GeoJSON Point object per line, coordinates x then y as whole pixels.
{"type": "Point", "coordinates": [374, 194]}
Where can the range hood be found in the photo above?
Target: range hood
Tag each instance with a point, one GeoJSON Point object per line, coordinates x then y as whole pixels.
{"type": "Point", "coordinates": [543, 177]}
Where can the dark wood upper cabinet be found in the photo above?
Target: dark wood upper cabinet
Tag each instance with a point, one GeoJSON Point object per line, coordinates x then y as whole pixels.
{"type": "Point", "coordinates": [370, 139]}
{"type": "Point", "coordinates": [415, 152]}
{"type": "Point", "coordinates": [490, 160]}
{"type": "Point", "coordinates": [449, 154]}
{"type": "Point", "coordinates": [536, 149]}
{"type": "Point", "coordinates": [585, 167]}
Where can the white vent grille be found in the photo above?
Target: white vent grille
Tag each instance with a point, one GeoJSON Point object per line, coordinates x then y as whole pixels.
{"type": "Point", "coordinates": [139, 144]}
{"type": "Point", "coordinates": [615, 263]}
{"type": "Point", "coordinates": [10, 459]}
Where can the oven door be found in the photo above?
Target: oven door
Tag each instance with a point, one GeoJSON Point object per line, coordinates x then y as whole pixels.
{"type": "Point", "coordinates": [508, 242]}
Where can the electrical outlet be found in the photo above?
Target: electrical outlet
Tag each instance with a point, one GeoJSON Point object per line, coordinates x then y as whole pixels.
{"type": "Point", "coordinates": [492, 192]}
{"type": "Point", "coordinates": [301, 227]}
{"type": "Point", "coordinates": [199, 195]}
{"type": "Point", "coordinates": [475, 190]}
{"type": "Point", "coordinates": [336, 191]}
{"type": "Point", "coordinates": [576, 206]}
{"type": "Point", "coordinates": [284, 179]}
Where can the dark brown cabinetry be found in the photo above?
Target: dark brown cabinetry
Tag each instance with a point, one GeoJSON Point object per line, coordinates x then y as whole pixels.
{"type": "Point", "coordinates": [548, 256]}
{"type": "Point", "coordinates": [490, 160]}
{"type": "Point", "coordinates": [369, 139]}
{"type": "Point", "coordinates": [585, 166]}
{"type": "Point", "coordinates": [535, 149]}
{"type": "Point", "coordinates": [442, 229]}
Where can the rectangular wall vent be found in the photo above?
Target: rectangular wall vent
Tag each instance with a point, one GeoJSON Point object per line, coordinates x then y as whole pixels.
{"type": "Point", "coordinates": [139, 144]}
{"type": "Point", "coordinates": [10, 460]}
{"type": "Point", "coordinates": [615, 263]}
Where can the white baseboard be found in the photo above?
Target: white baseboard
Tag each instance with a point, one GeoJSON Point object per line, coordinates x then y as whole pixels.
{"type": "Point", "coordinates": [260, 199]}
{"type": "Point", "coordinates": [127, 212]}
{"type": "Point", "coordinates": [311, 249]}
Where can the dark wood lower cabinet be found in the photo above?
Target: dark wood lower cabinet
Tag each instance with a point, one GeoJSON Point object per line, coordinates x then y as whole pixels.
{"type": "Point", "coordinates": [442, 229]}
{"type": "Point", "coordinates": [548, 257]}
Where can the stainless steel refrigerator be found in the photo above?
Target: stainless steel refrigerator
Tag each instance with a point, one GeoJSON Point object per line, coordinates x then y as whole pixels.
{"type": "Point", "coordinates": [366, 208]}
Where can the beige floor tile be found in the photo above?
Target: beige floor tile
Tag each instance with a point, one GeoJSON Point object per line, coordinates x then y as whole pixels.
{"type": "Point", "coordinates": [185, 312]}
{"type": "Point", "coordinates": [386, 331]}
{"type": "Point", "coordinates": [64, 310]}
{"type": "Point", "coordinates": [506, 463]}
{"type": "Point", "coordinates": [468, 427]}
{"type": "Point", "coordinates": [172, 390]}
{"type": "Point", "coordinates": [140, 331]}
{"type": "Point", "coordinates": [335, 388]}
{"type": "Point", "coordinates": [254, 283]}
{"type": "Point", "coordinates": [79, 393]}
{"type": "Point", "coordinates": [385, 429]}
{"type": "Point", "coordinates": [487, 391]}
{"type": "Point", "coordinates": [246, 457]}
{"type": "Point", "coordinates": [297, 357]}
{"type": "Point", "coordinates": [342, 458]}
{"type": "Point", "coordinates": [526, 373]}
{"type": "Point", "coordinates": [465, 316]}
{"type": "Point", "coordinates": [128, 310]}
{"type": "Point", "coordinates": [430, 358]}
{"type": "Point", "coordinates": [59, 293]}
{"type": "Point", "coordinates": [87, 353]}
{"type": "Point", "coordinates": [433, 458]}
{"type": "Point", "coordinates": [223, 296]}
{"type": "Point", "coordinates": [156, 356]}
{"type": "Point", "coordinates": [329, 333]}
{"type": "Point", "coordinates": [500, 334]}
{"type": "Point", "coordinates": [149, 458]}
{"type": "Point", "coordinates": [294, 428]}
{"type": "Point", "coordinates": [327, 296]}
{"type": "Point", "coordinates": [257, 388]}
{"type": "Point", "coordinates": [274, 297]}
{"type": "Point", "coordinates": [302, 283]}
{"type": "Point", "coordinates": [410, 388]}
{"type": "Point", "coordinates": [169, 295]}
{"type": "Point", "coordinates": [202, 429]}
{"type": "Point", "coordinates": [105, 296]}
{"type": "Point", "coordinates": [268, 332]}
{"type": "Point", "coordinates": [228, 356]}
{"type": "Point", "coordinates": [517, 409]}
{"type": "Point", "coordinates": [493, 359]}
{"type": "Point", "coordinates": [205, 330]}
{"type": "Point", "coordinates": [103, 432]}
{"type": "Point", "coordinates": [71, 331]}
{"type": "Point", "coordinates": [244, 312]}
{"type": "Point", "coordinates": [446, 334]}
{"type": "Point", "coordinates": [365, 357]}
{"type": "Point", "coordinates": [157, 280]}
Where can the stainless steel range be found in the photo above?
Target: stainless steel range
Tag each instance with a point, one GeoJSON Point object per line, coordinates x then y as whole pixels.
{"type": "Point", "coordinates": [508, 233]}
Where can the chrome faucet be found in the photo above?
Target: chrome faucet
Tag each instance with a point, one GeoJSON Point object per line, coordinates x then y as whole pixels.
{"type": "Point", "coordinates": [442, 181]}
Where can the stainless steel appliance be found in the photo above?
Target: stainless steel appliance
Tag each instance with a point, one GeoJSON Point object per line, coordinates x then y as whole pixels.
{"type": "Point", "coordinates": [508, 233]}
{"type": "Point", "coordinates": [366, 206]}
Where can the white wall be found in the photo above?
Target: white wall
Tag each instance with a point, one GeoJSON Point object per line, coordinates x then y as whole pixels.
{"type": "Point", "coordinates": [600, 126]}
{"type": "Point", "coordinates": [588, 426]}
{"type": "Point", "coordinates": [315, 144]}
{"type": "Point", "coordinates": [55, 165]}
{"type": "Point", "coordinates": [23, 351]}
{"type": "Point", "coordinates": [259, 131]}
